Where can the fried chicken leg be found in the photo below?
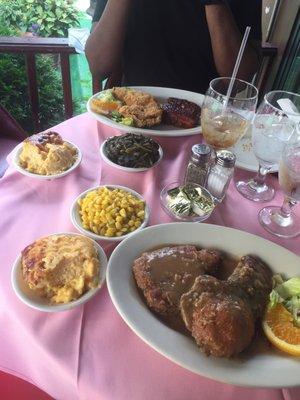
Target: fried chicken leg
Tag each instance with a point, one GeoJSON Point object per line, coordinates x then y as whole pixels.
{"type": "Point", "coordinates": [221, 315]}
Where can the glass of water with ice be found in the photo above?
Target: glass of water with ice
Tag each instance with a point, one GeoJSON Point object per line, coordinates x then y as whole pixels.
{"type": "Point", "coordinates": [272, 127]}
{"type": "Point", "coordinates": [281, 221]}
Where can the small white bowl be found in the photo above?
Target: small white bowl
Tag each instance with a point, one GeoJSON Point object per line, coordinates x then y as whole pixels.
{"type": "Point", "coordinates": [127, 169]}
{"type": "Point", "coordinates": [76, 219]}
{"type": "Point", "coordinates": [29, 297]}
{"type": "Point", "coordinates": [17, 166]}
{"type": "Point", "coordinates": [191, 218]}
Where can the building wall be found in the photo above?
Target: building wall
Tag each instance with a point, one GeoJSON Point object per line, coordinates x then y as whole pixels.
{"type": "Point", "coordinates": [280, 33]}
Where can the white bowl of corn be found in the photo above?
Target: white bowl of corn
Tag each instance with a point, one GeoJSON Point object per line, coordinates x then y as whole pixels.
{"type": "Point", "coordinates": [109, 212]}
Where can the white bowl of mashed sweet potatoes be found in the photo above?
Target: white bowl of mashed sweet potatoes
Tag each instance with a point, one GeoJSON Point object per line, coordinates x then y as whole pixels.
{"type": "Point", "coordinates": [59, 272]}
{"type": "Point", "coordinates": [46, 156]}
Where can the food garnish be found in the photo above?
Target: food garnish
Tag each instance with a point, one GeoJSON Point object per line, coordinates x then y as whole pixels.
{"type": "Point", "coordinates": [117, 117]}
{"type": "Point", "coordinates": [189, 200]}
{"type": "Point", "coordinates": [111, 212]}
{"type": "Point", "coordinates": [132, 150]}
{"type": "Point", "coordinates": [281, 322]}
{"type": "Point", "coordinates": [288, 294]}
{"type": "Point", "coordinates": [105, 103]}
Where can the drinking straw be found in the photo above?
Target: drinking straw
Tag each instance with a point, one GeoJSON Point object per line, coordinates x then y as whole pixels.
{"type": "Point", "coordinates": [236, 67]}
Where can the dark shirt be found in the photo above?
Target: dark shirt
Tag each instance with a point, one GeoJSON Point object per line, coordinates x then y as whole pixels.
{"type": "Point", "coordinates": [168, 43]}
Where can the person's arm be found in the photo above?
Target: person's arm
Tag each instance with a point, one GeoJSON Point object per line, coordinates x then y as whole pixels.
{"type": "Point", "coordinates": [105, 44]}
{"type": "Point", "coordinates": [226, 40]}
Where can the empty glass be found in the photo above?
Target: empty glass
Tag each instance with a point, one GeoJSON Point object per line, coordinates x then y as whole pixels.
{"type": "Point", "coordinates": [280, 220]}
{"type": "Point", "coordinates": [272, 127]}
{"type": "Point", "coordinates": [222, 128]}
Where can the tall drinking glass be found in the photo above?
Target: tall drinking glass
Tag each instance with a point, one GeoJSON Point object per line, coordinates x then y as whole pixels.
{"type": "Point", "coordinates": [224, 127]}
{"type": "Point", "coordinates": [281, 221]}
{"type": "Point", "coordinates": [273, 125]}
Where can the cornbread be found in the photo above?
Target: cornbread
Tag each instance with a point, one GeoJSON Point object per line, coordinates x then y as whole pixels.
{"type": "Point", "coordinates": [111, 212]}
{"type": "Point", "coordinates": [47, 154]}
{"type": "Point", "coordinates": [61, 268]}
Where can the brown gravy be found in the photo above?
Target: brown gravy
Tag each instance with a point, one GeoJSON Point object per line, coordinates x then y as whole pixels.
{"type": "Point", "coordinates": [259, 345]}
{"type": "Point", "coordinates": [176, 270]}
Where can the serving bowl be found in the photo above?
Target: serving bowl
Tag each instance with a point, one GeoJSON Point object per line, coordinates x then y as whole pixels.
{"type": "Point", "coordinates": [188, 218]}
{"type": "Point", "coordinates": [128, 169]}
{"type": "Point", "coordinates": [76, 218]}
{"type": "Point", "coordinates": [30, 298]}
{"type": "Point", "coordinates": [16, 163]}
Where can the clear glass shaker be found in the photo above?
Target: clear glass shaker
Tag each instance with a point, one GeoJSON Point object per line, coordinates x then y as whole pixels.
{"type": "Point", "coordinates": [221, 174]}
{"type": "Point", "coordinates": [198, 165]}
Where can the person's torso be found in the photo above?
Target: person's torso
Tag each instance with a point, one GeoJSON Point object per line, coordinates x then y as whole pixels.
{"type": "Point", "coordinates": [168, 44]}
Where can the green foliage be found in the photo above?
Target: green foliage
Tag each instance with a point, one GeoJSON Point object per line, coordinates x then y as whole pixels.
{"type": "Point", "coordinates": [14, 91]}
{"type": "Point", "coordinates": [49, 18]}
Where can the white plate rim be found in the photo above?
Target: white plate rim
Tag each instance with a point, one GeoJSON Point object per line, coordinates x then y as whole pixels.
{"type": "Point", "coordinates": [67, 306]}
{"type": "Point", "coordinates": [179, 93]}
{"type": "Point", "coordinates": [78, 226]}
{"type": "Point", "coordinates": [129, 169]}
{"type": "Point", "coordinates": [15, 161]}
{"type": "Point", "coordinates": [242, 380]}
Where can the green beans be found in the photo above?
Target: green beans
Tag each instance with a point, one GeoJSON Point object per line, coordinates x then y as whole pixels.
{"type": "Point", "coordinates": [132, 150]}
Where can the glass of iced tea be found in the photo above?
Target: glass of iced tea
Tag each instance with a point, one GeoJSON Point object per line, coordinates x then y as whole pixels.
{"type": "Point", "coordinates": [223, 125]}
{"type": "Point", "coordinates": [281, 221]}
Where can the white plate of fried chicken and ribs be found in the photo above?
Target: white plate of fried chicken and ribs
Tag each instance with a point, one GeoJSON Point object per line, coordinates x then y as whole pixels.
{"type": "Point", "coordinates": [146, 105]}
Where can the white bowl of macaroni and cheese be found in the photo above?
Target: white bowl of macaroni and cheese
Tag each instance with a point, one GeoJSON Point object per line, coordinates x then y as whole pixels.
{"type": "Point", "coordinates": [59, 272]}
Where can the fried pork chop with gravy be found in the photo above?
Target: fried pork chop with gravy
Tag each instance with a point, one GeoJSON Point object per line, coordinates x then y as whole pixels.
{"type": "Point", "coordinates": [165, 274]}
{"type": "Point", "coordinates": [221, 315]}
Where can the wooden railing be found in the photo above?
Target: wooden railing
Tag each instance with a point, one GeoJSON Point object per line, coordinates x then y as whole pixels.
{"type": "Point", "coordinates": [29, 47]}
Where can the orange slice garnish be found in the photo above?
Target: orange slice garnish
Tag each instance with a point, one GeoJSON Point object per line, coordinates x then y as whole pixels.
{"type": "Point", "coordinates": [279, 328]}
{"type": "Point", "coordinates": [104, 106]}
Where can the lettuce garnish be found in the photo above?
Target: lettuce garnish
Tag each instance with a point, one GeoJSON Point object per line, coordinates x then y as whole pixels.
{"type": "Point", "coordinates": [117, 117]}
{"type": "Point", "coordinates": [288, 294]}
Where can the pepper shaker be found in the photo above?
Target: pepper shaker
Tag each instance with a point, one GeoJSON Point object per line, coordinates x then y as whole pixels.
{"type": "Point", "coordinates": [221, 174]}
{"type": "Point", "coordinates": [198, 165]}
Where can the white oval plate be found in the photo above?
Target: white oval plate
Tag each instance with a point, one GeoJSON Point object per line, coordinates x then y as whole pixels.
{"type": "Point", "coordinates": [127, 169]}
{"type": "Point", "coordinates": [76, 219]}
{"type": "Point", "coordinates": [161, 95]}
{"type": "Point", "coordinates": [269, 369]}
{"type": "Point", "coordinates": [16, 163]}
{"type": "Point", "coordinates": [27, 296]}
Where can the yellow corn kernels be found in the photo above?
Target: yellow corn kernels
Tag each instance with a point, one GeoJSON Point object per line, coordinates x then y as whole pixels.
{"type": "Point", "coordinates": [111, 212]}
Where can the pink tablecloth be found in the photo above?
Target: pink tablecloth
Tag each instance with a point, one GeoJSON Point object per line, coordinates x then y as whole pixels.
{"type": "Point", "coordinates": [89, 352]}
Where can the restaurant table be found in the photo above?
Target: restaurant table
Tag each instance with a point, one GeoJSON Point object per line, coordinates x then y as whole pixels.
{"type": "Point", "coordinates": [89, 352]}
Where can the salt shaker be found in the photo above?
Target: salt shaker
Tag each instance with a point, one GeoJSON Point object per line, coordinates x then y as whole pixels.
{"type": "Point", "coordinates": [221, 174]}
{"type": "Point", "coordinates": [198, 165]}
